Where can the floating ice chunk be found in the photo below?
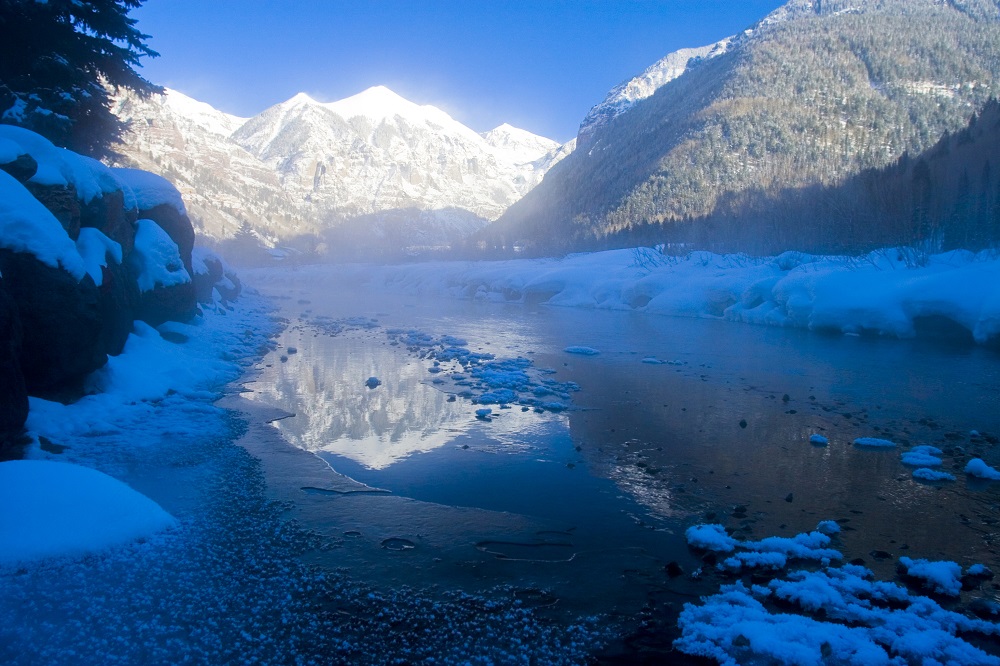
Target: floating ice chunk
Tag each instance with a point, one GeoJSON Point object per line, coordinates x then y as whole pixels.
{"type": "Point", "coordinates": [926, 474]}
{"type": "Point", "coordinates": [915, 459]}
{"type": "Point", "coordinates": [484, 414]}
{"type": "Point", "coordinates": [373, 382]}
{"type": "Point", "coordinates": [927, 450]}
{"type": "Point", "coordinates": [978, 467]}
{"type": "Point", "coordinates": [710, 537]}
{"type": "Point", "coordinates": [584, 351]}
{"type": "Point", "coordinates": [652, 360]}
{"type": "Point", "coordinates": [874, 443]}
{"type": "Point", "coordinates": [828, 527]}
{"type": "Point", "coordinates": [979, 570]}
{"type": "Point", "coordinates": [942, 576]}
{"type": "Point", "coordinates": [818, 440]}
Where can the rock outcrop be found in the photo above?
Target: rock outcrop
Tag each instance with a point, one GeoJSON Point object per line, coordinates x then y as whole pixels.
{"type": "Point", "coordinates": [85, 250]}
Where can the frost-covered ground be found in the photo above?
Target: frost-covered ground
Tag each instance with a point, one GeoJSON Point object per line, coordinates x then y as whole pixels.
{"type": "Point", "coordinates": [224, 583]}
{"type": "Point", "coordinates": [890, 292]}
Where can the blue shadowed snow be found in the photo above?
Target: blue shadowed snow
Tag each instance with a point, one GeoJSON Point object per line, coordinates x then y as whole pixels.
{"type": "Point", "coordinates": [977, 467]}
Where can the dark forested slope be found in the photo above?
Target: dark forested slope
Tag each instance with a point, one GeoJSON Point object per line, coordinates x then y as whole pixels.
{"type": "Point", "coordinates": [812, 96]}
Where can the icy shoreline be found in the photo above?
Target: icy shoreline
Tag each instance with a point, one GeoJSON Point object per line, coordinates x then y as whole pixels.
{"type": "Point", "coordinates": [227, 583]}
{"type": "Point", "coordinates": [892, 292]}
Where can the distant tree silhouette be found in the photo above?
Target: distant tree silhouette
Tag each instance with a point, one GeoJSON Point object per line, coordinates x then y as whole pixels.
{"type": "Point", "coordinates": [58, 60]}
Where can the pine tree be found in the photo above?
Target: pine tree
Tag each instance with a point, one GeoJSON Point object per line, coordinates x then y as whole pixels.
{"type": "Point", "coordinates": [59, 60]}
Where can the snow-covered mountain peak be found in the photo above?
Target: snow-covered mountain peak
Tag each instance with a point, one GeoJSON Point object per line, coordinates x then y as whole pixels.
{"type": "Point", "coordinates": [624, 96]}
{"type": "Point", "coordinates": [199, 113]}
{"type": "Point", "coordinates": [379, 103]}
{"type": "Point", "coordinates": [521, 144]}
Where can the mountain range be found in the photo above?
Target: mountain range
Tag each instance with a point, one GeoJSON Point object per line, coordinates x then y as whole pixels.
{"type": "Point", "coordinates": [813, 94]}
{"type": "Point", "coordinates": [302, 169]}
{"type": "Point", "coordinates": [708, 146]}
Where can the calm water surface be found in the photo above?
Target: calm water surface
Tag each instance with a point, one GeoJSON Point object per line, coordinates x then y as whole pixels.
{"type": "Point", "coordinates": [582, 509]}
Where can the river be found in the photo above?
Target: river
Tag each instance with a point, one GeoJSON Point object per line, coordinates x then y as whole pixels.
{"type": "Point", "coordinates": [676, 421]}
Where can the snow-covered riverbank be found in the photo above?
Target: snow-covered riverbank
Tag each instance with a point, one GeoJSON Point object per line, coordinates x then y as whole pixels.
{"type": "Point", "coordinates": [894, 292]}
{"type": "Point", "coordinates": [225, 582]}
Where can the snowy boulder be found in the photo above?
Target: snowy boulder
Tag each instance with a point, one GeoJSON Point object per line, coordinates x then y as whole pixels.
{"type": "Point", "coordinates": [21, 167]}
{"type": "Point", "coordinates": [158, 200]}
{"type": "Point", "coordinates": [118, 292]}
{"type": "Point", "coordinates": [69, 510]}
{"type": "Point", "coordinates": [13, 394]}
{"type": "Point", "coordinates": [62, 202]}
{"type": "Point", "coordinates": [211, 275]}
{"type": "Point", "coordinates": [62, 181]}
{"type": "Point", "coordinates": [111, 215]}
{"type": "Point", "coordinates": [166, 290]}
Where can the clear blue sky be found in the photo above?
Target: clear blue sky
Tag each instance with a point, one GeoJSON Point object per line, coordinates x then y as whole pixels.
{"type": "Point", "coordinates": [537, 64]}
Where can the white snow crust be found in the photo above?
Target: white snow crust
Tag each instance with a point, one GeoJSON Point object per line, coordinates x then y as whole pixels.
{"type": "Point", "coordinates": [95, 248]}
{"type": "Point", "coordinates": [28, 226]}
{"type": "Point", "coordinates": [150, 190]}
{"type": "Point", "coordinates": [61, 167]}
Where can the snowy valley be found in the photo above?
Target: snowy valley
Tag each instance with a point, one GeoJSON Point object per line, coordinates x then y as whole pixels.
{"type": "Point", "coordinates": [352, 383]}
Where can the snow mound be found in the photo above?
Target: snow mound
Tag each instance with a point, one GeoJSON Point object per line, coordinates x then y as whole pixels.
{"type": "Point", "coordinates": [66, 510]}
{"type": "Point", "coordinates": [156, 258]}
{"type": "Point", "coordinates": [151, 190]}
{"type": "Point", "coordinates": [28, 226]}
{"type": "Point", "coordinates": [978, 467]}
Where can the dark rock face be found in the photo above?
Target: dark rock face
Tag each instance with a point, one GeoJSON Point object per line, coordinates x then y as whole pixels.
{"type": "Point", "coordinates": [175, 303]}
{"type": "Point", "coordinates": [226, 281]}
{"type": "Point", "coordinates": [108, 215]}
{"type": "Point", "coordinates": [61, 202]}
{"type": "Point", "coordinates": [21, 168]}
{"type": "Point", "coordinates": [118, 302]}
{"type": "Point", "coordinates": [177, 226]}
{"type": "Point", "coordinates": [13, 394]}
{"type": "Point", "coordinates": [61, 321]}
